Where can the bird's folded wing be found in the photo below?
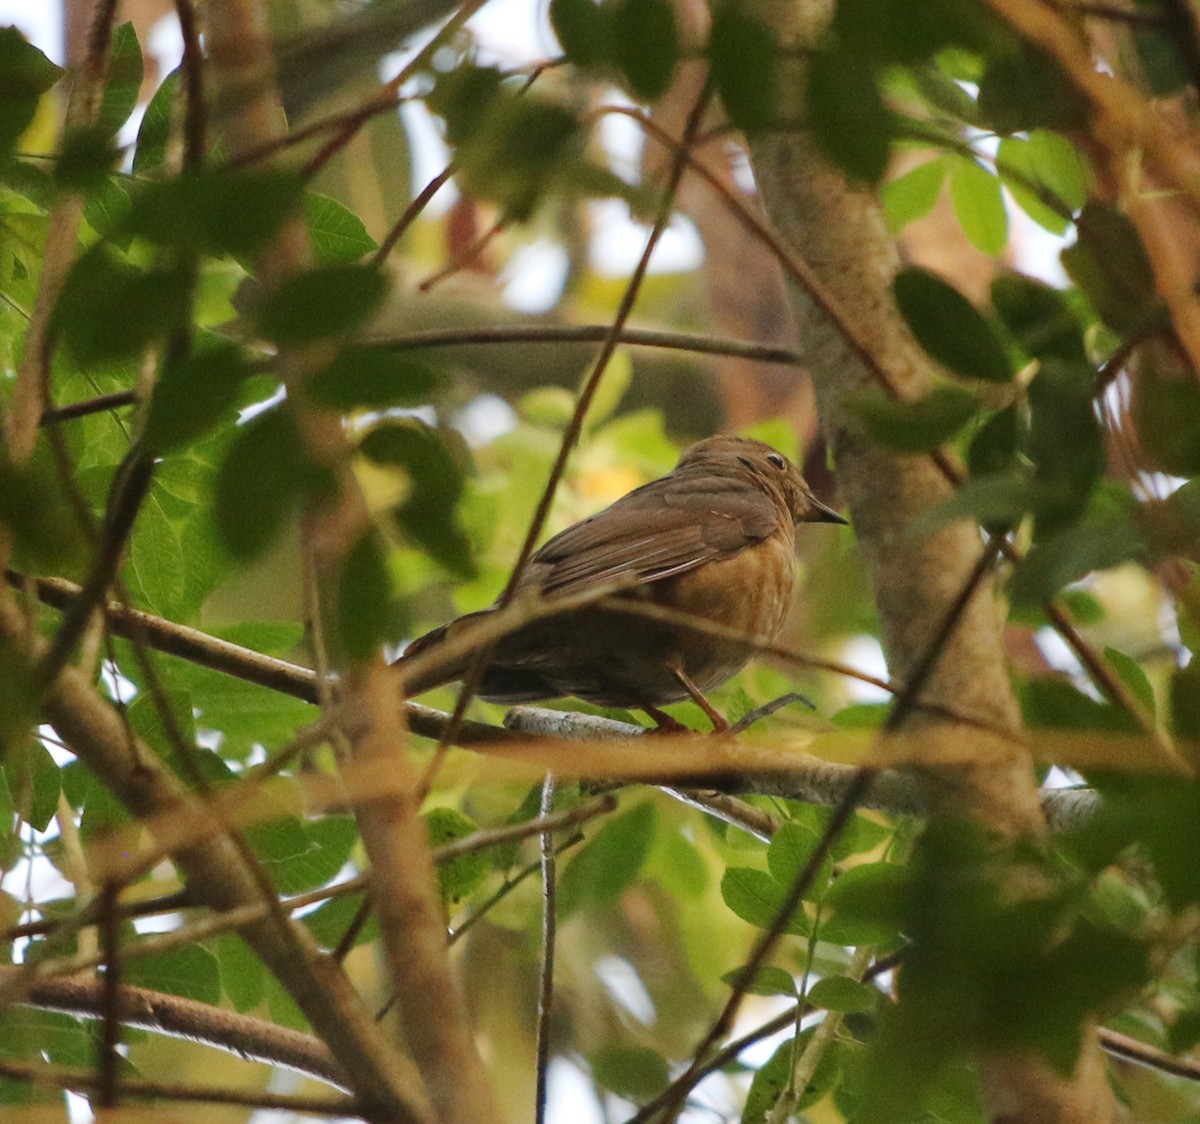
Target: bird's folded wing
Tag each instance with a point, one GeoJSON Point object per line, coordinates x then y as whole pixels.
{"type": "Point", "coordinates": [668, 527]}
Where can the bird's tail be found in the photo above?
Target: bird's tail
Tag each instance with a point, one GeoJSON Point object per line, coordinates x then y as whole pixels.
{"type": "Point", "coordinates": [436, 673]}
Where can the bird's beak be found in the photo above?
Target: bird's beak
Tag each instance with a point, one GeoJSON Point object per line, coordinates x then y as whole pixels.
{"type": "Point", "coordinates": [823, 513]}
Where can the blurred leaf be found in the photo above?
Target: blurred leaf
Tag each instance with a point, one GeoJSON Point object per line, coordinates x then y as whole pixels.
{"type": "Point", "coordinates": [189, 971]}
{"type": "Point", "coordinates": [364, 377]}
{"type": "Point", "coordinates": [25, 74]}
{"type": "Point", "coordinates": [1109, 263]}
{"type": "Point", "coordinates": [949, 327]}
{"type": "Point", "coordinates": [1027, 89]}
{"type": "Point", "coordinates": [86, 157]}
{"type": "Point", "coordinates": [1017, 166]}
{"type": "Point", "coordinates": [1056, 704]}
{"type": "Point", "coordinates": [243, 975]}
{"type": "Point", "coordinates": [840, 993]}
{"type": "Point", "coordinates": [428, 515]}
{"type": "Point", "coordinates": [646, 45]}
{"type": "Point", "coordinates": [154, 133]}
{"type": "Point", "coordinates": [633, 1072]}
{"type": "Point", "coordinates": [994, 446]}
{"type": "Point", "coordinates": [462, 876]}
{"type": "Point", "coordinates": [979, 206]}
{"type": "Point", "coordinates": [365, 601]}
{"type": "Point", "coordinates": [122, 81]}
{"type": "Point", "coordinates": [301, 855]}
{"type": "Point", "coordinates": [33, 510]}
{"type": "Point", "coordinates": [768, 980]}
{"type": "Point", "coordinates": [193, 394]}
{"type": "Point", "coordinates": [106, 209]}
{"type": "Point", "coordinates": [336, 233]}
{"type": "Point", "coordinates": [913, 426]}
{"type": "Point", "coordinates": [263, 479]}
{"type": "Point", "coordinates": [215, 212]}
{"type": "Point", "coordinates": [610, 862]}
{"type": "Point", "coordinates": [1065, 440]}
{"type": "Point", "coordinates": [912, 196]}
{"type": "Point", "coordinates": [93, 312]}
{"type": "Point", "coordinates": [742, 55]}
{"type": "Point", "coordinates": [1185, 707]}
{"type": "Point", "coordinates": [330, 922]}
{"type": "Point", "coordinates": [33, 777]}
{"type": "Point", "coordinates": [1166, 411]}
{"type": "Point", "coordinates": [585, 30]}
{"type": "Point", "coordinates": [1071, 555]}
{"type": "Point", "coordinates": [756, 897]}
{"type": "Point", "coordinates": [868, 903]}
{"type": "Point", "coordinates": [321, 303]}
{"type": "Point", "coordinates": [848, 115]}
{"type": "Point", "coordinates": [1160, 54]}
{"type": "Point", "coordinates": [1039, 318]}
{"type": "Point", "coordinates": [1130, 672]}
{"type": "Point", "coordinates": [463, 97]}
{"type": "Point", "coordinates": [770, 1081]}
{"type": "Point", "coordinates": [788, 853]}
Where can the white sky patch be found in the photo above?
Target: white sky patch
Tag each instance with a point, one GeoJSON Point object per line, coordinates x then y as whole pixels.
{"type": "Point", "coordinates": [866, 655]}
{"type": "Point", "coordinates": [624, 986]}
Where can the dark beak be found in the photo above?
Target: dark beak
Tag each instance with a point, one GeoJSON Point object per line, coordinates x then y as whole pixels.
{"type": "Point", "coordinates": [823, 513]}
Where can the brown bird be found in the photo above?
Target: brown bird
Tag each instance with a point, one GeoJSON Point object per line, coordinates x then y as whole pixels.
{"type": "Point", "coordinates": [713, 539]}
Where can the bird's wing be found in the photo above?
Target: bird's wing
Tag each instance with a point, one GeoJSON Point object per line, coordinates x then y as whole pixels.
{"type": "Point", "coordinates": [667, 527]}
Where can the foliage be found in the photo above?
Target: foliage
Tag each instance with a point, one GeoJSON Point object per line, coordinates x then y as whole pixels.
{"type": "Point", "coordinates": [1087, 468]}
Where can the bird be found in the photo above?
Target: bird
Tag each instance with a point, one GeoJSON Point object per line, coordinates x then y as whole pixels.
{"type": "Point", "coordinates": [713, 539]}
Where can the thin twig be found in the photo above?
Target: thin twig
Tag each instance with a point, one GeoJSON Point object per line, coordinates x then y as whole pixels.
{"type": "Point", "coordinates": [549, 943]}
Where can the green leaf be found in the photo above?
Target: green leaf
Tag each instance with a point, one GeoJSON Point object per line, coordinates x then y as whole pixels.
{"type": "Point", "coordinates": [585, 31]}
{"type": "Point", "coordinates": [895, 31]}
{"type": "Point", "coordinates": [1039, 318]}
{"type": "Point", "coordinates": [979, 207]}
{"type": "Point", "coordinates": [868, 903]}
{"type": "Point", "coordinates": [243, 975]}
{"type": "Point", "coordinates": [913, 426]}
{"type": "Point", "coordinates": [742, 56]}
{"type": "Point", "coordinates": [949, 327]}
{"type": "Point", "coordinates": [1109, 263]}
{"type": "Point", "coordinates": [840, 993]}
{"type": "Point", "coordinates": [190, 971]}
{"type": "Point", "coordinates": [25, 74]}
{"type": "Point", "coordinates": [302, 855]}
{"type": "Point", "coordinates": [321, 303]}
{"type": "Point", "coordinates": [646, 45]}
{"type": "Point", "coordinates": [428, 515]}
{"type": "Point", "coordinates": [770, 1082]}
{"type": "Point", "coordinates": [35, 512]}
{"type": "Point", "coordinates": [1070, 555]}
{"type": "Point", "coordinates": [848, 115]}
{"type": "Point", "coordinates": [336, 233]}
{"type": "Point", "coordinates": [93, 312]}
{"type": "Point", "coordinates": [1130, 672]}
{"type": "Point", "coordinates": [768, 980]}
{"type": "Point", "coordinates": [791, 847]}
{"type": "Point", "coordinates": [193, 394]}
{"type": "Point", "coordinates": [1185, 705]}
{"type": "Point", "coordinates": [608, 863]}
{"type": "Point", "coordinates": [123, 80]}
{"type": "Point", "coordinates": [374, 377]}
{"type": "Point", "coordinates": [154, 133]}
{"type": "Point", "coordinates": [215, 212]}
{"type": "Point", "coordinates": [106, 209]}
{"type": "Point", "coordinates": [330, 922]}
{"type": "Point", "coordinates": [364, 598]}
{"type": "Point", "coordinates": [1065, 440]}
{"type": "Point", "coordinates": [85, 159]}
{"type": "Point", "coordinates": [633, 1072]}
{"type": "Point", "coordinates": [1027, 89]}
{"type": "Point", "coordinates": [756, 897]}
{"type": "Point", "coordinates": [461, 877]}
{"type": "Point", "coordinates": [1161, 56]}
{"type": "Point", "coordinates": [912, 196]}
{"type": "Point", "coordinates": [1166, 410]}
{"type": "Point", "coordinates": [1055, 704]}
{"type": "Point", "coordinates": [1017, 166]}
{"type": "Point", "coordinates": [155, 549]}
{"type": "Point", "coordinates": [263, 479]}
{"type": "Point", "coordinates": [994, 447]}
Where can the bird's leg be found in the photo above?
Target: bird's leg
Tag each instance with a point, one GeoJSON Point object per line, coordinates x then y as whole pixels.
{"type": "Point", "coordinates": [664, 723]}
{"type": "Point", "coordinates": [697, 696]}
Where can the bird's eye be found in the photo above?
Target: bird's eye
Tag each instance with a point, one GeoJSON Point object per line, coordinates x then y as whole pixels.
{"type": "Point", "coordinates": [777, 460]}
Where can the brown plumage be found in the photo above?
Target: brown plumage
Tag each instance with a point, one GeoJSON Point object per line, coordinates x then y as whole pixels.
{"type": "Point", "coordinates": [715, 538]}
